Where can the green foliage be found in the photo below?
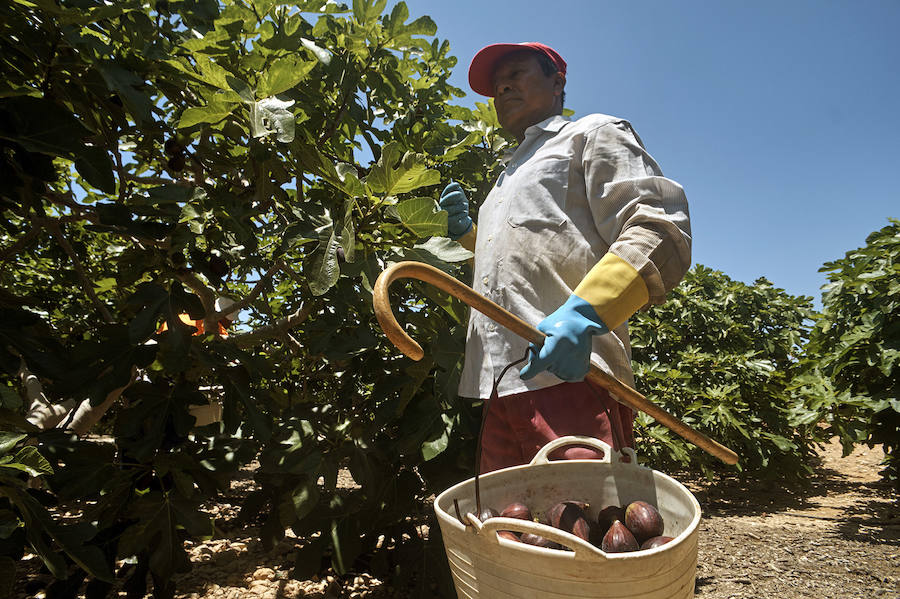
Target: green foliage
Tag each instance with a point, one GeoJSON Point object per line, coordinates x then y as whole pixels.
{"type": "Point", "coordinates": [26, 522]}
{"type": "Point", "coordinates": [857, 342]}
{"type": "Point", "coordinates": [721, 355]}
{"type": "Point", "coordinates": [156, 155]}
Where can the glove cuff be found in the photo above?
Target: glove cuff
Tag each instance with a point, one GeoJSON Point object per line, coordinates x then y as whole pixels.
{"type": "Point", "coordinates": [614, 289]}
{"type": "Point", "coordinates": [467, 239]}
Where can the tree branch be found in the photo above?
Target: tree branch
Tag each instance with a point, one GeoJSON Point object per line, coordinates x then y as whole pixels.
{"type": "Point", "coordinates": [157, 180]}
{"type": "Point", "coordinates": [293, 344]}
{"type": "Point", "coordinates": [83, 418]}
{"type": "Point", "coordinates": [254, 293]}
{"type": "Point", "coordinates": [345, 101]}
{"type": "Point", "coordinates": [45, 84]}
{"type": "Point", "coordinates": [86, 212]}
{"type": "Point", "coordinates": [207, 297]}
{"type": "Point", "coordinates": [249, 339]}
{"type": "Point", "coordinates": [23, 242]}
{"type": "Point", "coordinates": [120, 168]}
{"type": "Point", "coordinates": [41, 412]}
{"type": "Point", "coordinates": [56, 232]}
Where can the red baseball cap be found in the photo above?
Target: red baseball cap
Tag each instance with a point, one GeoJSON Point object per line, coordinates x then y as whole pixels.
{"type": "Point", "coordinates": [481, 71]}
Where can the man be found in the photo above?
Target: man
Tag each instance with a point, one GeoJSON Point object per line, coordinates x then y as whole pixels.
{"type": "Point", "coordinates": [580, 231]}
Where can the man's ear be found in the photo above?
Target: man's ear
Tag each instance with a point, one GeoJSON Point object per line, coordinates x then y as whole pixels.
{"type": "Point", "coordinates": [559, 83]}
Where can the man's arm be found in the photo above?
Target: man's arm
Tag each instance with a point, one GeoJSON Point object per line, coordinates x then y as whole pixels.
{"type": "Point", "coordinates": [643, 217]}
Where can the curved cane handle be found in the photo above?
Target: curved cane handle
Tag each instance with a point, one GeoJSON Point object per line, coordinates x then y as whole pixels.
{"type": "Point", "coordinates": [619, 390]}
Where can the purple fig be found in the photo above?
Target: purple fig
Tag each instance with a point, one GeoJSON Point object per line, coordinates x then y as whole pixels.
{"type": "Point", "coordinates": [172, 147]}
{"type": "Point", "coordinates": [654, 542]}
{"type": "Point", "coordinates": [618, 539]}
{"type": "Point", "coordinates": [570, 517]}
{"type": "Point", "coordinates": [539, 541]}
{"type": "Point", "coordinates": [643, 520]}
{"type": "Point", "coordinates": [487, 513]}
{"type": "Point", "coordinates": [516, 510]}
{"type": "Point", "coordinates": [508, 534]}
{"type": "Point", "coordinates": [177, 163]}
{"type": "Point", "coordinates": [607, 516]}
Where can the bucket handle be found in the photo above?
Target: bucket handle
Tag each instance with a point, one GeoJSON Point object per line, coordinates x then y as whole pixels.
{"type": "Point", "coordinates": [488, 529]}
{"type": "Point", "coordinates": [542, 456]}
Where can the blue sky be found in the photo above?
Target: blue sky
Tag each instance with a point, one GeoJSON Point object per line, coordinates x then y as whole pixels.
{"type": "Point", "coordinates": [780, 119]}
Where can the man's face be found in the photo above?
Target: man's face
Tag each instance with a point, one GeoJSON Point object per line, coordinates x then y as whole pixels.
{"type": "Point", "coordinates": [523, 95]}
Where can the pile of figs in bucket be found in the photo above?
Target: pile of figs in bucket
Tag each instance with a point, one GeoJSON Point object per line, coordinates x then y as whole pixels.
{"type": "Point", "coordinates": [556, 549]}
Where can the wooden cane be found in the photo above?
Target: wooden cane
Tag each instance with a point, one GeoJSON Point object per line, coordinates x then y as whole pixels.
{"type": "Point", "coordinates": [621, 392]}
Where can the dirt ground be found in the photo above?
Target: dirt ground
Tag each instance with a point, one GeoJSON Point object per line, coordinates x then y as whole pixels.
{"type": "Point", "coordinates": [839, 538]}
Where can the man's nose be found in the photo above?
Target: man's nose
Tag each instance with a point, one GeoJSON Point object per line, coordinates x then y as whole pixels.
{"type": "Point", "coordinates": [502, 87]}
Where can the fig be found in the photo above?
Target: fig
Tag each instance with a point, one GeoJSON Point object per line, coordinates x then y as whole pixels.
{"type": "Point", "coordinates": [487, 513]}
{"type": "Point", "coordinates": [172, 147]}
{"type": "Point", "coordinates": [508, 534]}
{"type": "Point", "coordinates": [618, 539]}
{"type": "Point", "coordinates": [654, 542]}
{"type": "Point", "coordinates": [570, 517]}
{"type": "Point", "coordinates": [643, 520]}
{"type": "Point", "coordinates": [177, 163]}
{"type": "Point", "coordinates": [516, 510]}
{"type": "Point", "coordinates": [218, 265]}
{"type": "Point", "coordinates": [607, 516]}
{"type": "Point", "coordinates": [538, 541]}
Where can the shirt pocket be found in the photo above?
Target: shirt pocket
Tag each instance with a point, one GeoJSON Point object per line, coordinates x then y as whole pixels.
{"type": "Point", "coordinates": [539, 231]}
{"type": "Point", "coordinates": [539, 197]}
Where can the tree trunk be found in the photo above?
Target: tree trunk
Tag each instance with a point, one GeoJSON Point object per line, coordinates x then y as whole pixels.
{"type": "Point", "coordinates": [76, 417]}
{"type": "Point", "coordinates": [42, 412]}
{"type": "Point", "coordinates": [86, 415]}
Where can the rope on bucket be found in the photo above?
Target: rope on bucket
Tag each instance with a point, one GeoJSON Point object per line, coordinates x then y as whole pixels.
{"type": "Point", "coordinates": [484, 412]}
{"type": "Point", "coordinates": [618, 435]}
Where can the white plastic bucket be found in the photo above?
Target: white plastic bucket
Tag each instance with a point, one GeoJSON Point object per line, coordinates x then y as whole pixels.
{"type": "Point", "coordinates": [484, 565]}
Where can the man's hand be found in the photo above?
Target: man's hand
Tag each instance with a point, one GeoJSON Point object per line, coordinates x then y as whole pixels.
{"type": "Point", "coordinates": [454, 201]}
{"type": "Point", "coordinates": [567, 349]}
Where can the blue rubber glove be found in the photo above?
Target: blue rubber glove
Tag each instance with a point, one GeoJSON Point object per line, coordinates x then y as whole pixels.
{"type": "Point", "coordinates": [567, 349]}
{"type": "Point", "coordinates": [454, 201]}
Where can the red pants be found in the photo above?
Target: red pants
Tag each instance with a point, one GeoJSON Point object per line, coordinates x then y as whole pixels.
{"type": "Point", "coordinates": [517, 426]}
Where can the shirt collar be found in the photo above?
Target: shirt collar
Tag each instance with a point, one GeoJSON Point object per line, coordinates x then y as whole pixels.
{"type": "Point", "coordinates": [549, 125]}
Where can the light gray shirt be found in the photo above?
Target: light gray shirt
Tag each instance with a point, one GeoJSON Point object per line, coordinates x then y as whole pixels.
{"type": "Point", "coordinates": [570, 192]}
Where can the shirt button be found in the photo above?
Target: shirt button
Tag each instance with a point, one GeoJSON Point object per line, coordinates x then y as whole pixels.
{"type": "Point", "coordinates": [492, 327]}
{"type": "Point", "coordinates": [484, 280]}
{"type": "Point", "coordinates": [490, 237]}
